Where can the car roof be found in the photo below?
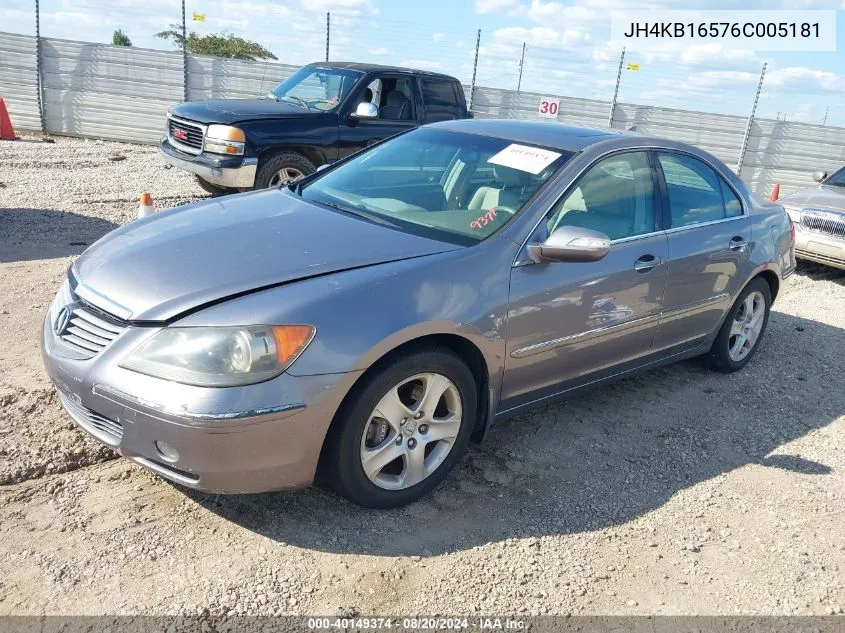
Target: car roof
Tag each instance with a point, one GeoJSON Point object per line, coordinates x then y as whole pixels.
{"type": "Point", "coordinates": [365, 68]}
{"type": "Point", "coordinates": [544, 133]}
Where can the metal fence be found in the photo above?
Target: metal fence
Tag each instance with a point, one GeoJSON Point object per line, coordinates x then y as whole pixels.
{"type": "Point", "coordinates": [121, 93]}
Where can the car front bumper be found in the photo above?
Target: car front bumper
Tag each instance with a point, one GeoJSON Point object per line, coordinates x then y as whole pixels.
{"type": "Point", "coordinates": [819, 247]}
{"type": "Point", "coordinates": [223, 171]}
{"type": "Point", "coordinates": [254, 438]}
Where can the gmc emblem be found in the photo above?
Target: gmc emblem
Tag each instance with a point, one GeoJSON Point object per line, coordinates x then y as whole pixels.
{"type": "Point", "coordinates": [182, 135]}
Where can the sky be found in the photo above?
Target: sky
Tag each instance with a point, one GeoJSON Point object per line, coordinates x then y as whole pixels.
{"type": "Point", "coordinates": [568, 47]}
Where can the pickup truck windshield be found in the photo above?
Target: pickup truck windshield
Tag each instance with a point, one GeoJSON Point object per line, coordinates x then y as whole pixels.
{"type": "Point", "coordinates": [316, 88]}
{"type": "Point", "coordinates": [446, 185]}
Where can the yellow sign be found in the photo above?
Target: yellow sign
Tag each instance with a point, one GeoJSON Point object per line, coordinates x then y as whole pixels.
{"type": "Point", "coordinates": [199, 17]}
{"type": "Point", "coordinates": [633, 66]}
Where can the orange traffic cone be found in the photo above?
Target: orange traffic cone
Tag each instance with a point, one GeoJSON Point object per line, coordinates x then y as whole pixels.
{"type": "Point", "coordinates": [775, 192]}
{"type": "Point", "coordinates": [146, 207]}
{"type": "Point", "coordinates": [7, 132]}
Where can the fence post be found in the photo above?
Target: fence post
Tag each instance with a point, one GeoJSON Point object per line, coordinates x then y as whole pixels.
{"type": "Point", "coordinates": [474, 68]}
{"type": "Point", "coordinates": [750, 121]}
{"type": "Point", "coordinates": [328, 32]}
{"type": "Point", "coordinates": [521, 63]}
{"type": "Point", "coordinates": [184, 56]}
{"type": "Point", "coordinates": [39, 75]}
{"type": "Point", "coordinates": [616, 89]}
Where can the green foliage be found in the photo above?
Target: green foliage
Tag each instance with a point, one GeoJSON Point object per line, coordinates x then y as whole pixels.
{"type": "Point", "coordinates": [120, 38]}
{"type": "Point", "coordinates": [217, 45]}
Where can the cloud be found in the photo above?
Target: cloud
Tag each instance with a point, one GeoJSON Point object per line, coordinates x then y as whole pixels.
{"type": "Point", "coordinates": [509, 7]}
{"type": "Point", "coordinates": [378, 51]}
{"type": "Point", "coordinates": [424, 64]}
{"type": "Point", "coordinates": [437, 37]}
{"type": "Point", "coordinates": [800, 76]}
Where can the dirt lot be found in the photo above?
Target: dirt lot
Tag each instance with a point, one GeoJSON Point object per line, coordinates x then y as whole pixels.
{"type": "Point", "coordinates": [680, 491]}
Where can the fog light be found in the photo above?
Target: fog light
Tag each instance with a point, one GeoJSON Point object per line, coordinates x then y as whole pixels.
{"type": "Point", "coordinates": [167, 452]}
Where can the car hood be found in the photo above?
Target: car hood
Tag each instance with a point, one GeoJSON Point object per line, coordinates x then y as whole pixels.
{"type": "Point", "coordinates": [156, 268]}
{"type": "Point", "coordinates": [229, 111]}
{"type": "Point", "coordinates": [822, 197]}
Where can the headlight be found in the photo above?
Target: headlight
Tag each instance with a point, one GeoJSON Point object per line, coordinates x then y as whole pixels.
{"type": "Point", "coordinates": [794, 213]}
{"type": "Point", "coordinates": [220, 356]}
{"type": "Point", "coordinates": [225, 139]}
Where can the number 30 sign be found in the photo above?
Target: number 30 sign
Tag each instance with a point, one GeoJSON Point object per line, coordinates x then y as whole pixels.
{"type": "Point", "coordinates": [548, 107]}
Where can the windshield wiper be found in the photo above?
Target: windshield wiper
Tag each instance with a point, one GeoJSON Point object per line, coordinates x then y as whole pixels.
{"type": "Point", "coordinates": [372, 217]}
{"type": "Point", "coordinates": [298, 100]}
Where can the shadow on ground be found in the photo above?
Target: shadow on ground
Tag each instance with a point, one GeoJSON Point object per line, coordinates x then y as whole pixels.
{"type": "Point", "coordinates": [32, 234]}
{"type": "Point", "coordinates": [595, 460]}
{"type": "Point", "coordinates": [820, 272]}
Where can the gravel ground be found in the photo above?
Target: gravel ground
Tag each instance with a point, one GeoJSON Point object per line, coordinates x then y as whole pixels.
{"type": "Point", "coordinates": [679, 491]}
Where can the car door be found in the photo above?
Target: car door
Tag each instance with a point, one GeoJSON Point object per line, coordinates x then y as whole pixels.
{"type": "Point", "coordinates": [395, 115]}
{"type": "Point", "coordinates": [709, 244]}
{"type": "Point", "coordinates": [568, 323]}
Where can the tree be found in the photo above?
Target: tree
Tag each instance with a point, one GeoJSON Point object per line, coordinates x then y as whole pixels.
{"type": "Point", "coordinates": [217, 45]}
{"type": "Point", "coordinates": [120, 38]}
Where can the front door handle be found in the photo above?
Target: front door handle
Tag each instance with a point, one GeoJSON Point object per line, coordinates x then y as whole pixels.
{"type": "Point", "coordinates": [645, 263]}
{"type": "Point", "coordinates": [737, 243]}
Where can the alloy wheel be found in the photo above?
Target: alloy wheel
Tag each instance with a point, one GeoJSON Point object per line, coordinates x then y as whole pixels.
{"type": "Point", "coordinates": [411, 431]}
{"type": "Point", "coordinates": [285, 175]}
{"type": "Point", "coordinates": [747, 326]}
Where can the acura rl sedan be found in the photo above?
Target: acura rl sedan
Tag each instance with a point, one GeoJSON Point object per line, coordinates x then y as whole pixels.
{"type": "Point", "coordinates": [361, 326]}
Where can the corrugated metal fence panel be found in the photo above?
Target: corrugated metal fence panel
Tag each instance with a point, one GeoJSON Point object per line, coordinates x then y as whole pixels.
{"type": "Point", "coordinates": [19, 81]}
{"type": "Point", "coordinates": [510, 104]}
{"type": "Point", "coordinates": [719, 134]}
{"type": "Point", "coordinates": [788, 153]}
{"type": "Point", "coordinates": [216, 78]}
{"type": "Point", "coordinates": [111, 92]}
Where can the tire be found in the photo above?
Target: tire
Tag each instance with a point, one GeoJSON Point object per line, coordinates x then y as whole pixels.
{"type": "Point", "coordinates": [355, 434]}
{"type": "Point", "coordinates": [725, 353]}
{"type": "Point", "coordinates": [213, 189]}
{"type": "Point", "coordinates": [270, 167]}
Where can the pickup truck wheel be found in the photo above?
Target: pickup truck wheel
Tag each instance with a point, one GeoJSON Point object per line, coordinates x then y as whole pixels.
{"type": "Point", "coordinates": [212, 188]}
{"type": "Point", "coordinates": [281, 169]}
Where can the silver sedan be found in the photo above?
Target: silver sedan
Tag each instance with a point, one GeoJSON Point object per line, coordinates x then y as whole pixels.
{"type": "Point", "coordinates": [819, 217]}
{"type": "Point", "coordinates": [363, 325]}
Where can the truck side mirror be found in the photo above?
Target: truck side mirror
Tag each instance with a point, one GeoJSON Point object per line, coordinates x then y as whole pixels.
{"type": "Point", "coordinates": [818, 176]}
{"type": "Point", "coordinates": [366, 111]}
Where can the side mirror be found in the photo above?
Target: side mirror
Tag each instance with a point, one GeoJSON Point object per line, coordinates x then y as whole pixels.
{"type": "Point", "coordinates": [366, 111]}
{"type": "Point", "coordinates": [570, 244]}
{"type": "Point", "coordinates": [818, 176]}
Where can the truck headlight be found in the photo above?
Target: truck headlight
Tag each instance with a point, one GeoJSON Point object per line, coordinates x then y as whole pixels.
{"type": "Point", "coordinates": [225, 139]}
{"type": "Point", "coordinates": [220, 356]}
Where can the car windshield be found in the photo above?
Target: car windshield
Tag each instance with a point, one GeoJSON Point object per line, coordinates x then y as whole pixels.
{"type": "Point", "coordinates": [447, 185]}
{"type": "Point", "coordinates": [316, 88]}
{"type": "Point", "coordinates": [837, 179]}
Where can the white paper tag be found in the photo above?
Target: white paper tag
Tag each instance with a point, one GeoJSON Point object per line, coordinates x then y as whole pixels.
{"type": "Point", "coordinates": [524, 158]}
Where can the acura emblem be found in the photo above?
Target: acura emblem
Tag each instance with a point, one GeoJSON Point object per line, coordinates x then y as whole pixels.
{"type": "Point", "coordinates": [62, 321]}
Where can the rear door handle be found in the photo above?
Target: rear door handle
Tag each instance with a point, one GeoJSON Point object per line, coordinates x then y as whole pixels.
{"type": "Point", "coordinates": [737, 243]}
{"type": "Point", "coordinates": [646, 263]}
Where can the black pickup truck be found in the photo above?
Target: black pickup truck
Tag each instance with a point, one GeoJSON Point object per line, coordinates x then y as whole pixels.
{"type": "Point", "coordinates": [320, 114]}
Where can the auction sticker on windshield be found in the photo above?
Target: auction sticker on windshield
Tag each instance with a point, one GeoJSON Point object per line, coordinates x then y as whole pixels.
{"type": "Point", "coordinates": [524, 158]}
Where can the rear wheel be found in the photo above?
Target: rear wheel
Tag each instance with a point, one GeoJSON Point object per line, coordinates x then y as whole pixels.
{"type": "Point", "coordinates": [403, 430]}
{"type": "Point", "coordinates": [281, 169]}
{"type": "Point", "coordinates": [742, 330]}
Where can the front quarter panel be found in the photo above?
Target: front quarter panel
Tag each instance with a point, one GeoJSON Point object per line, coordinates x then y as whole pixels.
{"type": "Point", "coordinates": [363, 314]}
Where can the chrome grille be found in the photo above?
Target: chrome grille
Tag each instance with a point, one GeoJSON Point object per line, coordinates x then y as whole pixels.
{"type": "Point", "coordinates": [103, 428]}
{"type": "Point", "coordinates": [89, 332]}
{"type": "Point", "coordinates": [824, 222]}
{"type": "Point", "coordinates": [185, 135]}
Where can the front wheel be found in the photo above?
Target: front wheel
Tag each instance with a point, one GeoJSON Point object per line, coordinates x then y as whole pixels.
{"type": "Point", "coordinates": [403, 430]}
{"type": "Point", "coordinates": [742, 330]}
{"type": "Point", "coordinates": [213, 189]}
{"type": "Point", "coordinates": [281, 169]}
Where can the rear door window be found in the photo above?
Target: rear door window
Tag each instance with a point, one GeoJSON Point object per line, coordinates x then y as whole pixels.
{"type": "Point", "coordinates": [441, 102]}
{"type": "Point", "coordinates": [697, 193]}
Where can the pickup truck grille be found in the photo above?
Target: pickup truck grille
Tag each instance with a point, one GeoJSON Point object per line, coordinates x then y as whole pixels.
{"type": "Point", "coordinates": [185, 135]}
{"type": "Point", "coordinates": [824, 222]}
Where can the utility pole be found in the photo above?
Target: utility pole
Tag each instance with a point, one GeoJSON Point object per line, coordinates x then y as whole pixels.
{"type": "Point", "coordinates": [521, 63]}
{"type": "Point", "coordinates": [826, 110]}
{"type": "Point", "coordinates": [616, 89]}
{"type": "Point", "coordinates": [328, 32]}
{"type": "Point", "coordinates": [184, 55]}
{"type": "Point", "coordinates": [38, 71]}
{"type": "Point", "coordinates": [750, 121]}
{"type": "Point", "coordinates": [474, 68]}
